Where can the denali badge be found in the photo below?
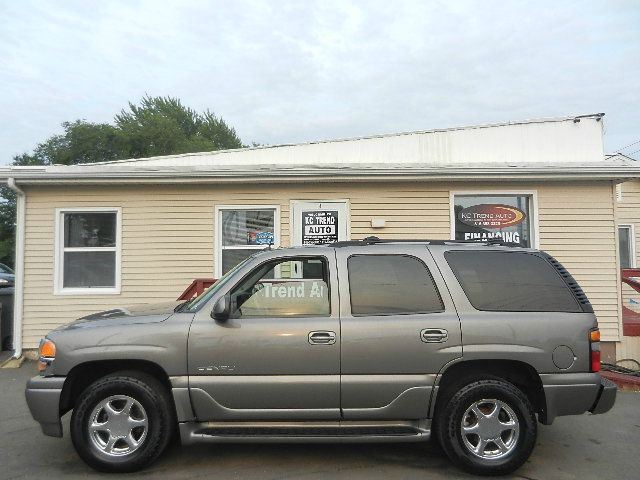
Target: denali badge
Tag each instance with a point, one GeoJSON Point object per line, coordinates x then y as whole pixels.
{"type": "Point", "coordinates": [217, 368]}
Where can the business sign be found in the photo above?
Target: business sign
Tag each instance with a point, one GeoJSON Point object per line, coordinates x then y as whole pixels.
{"type": "Point", "coordinates": [260, 238]}
{"type": "Point", "coordinates": [319, 227]}
{"type": "Point", "coordinates": [491, 216]}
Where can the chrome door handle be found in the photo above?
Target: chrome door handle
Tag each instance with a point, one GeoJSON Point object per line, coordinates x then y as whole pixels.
{"type": "Point", "coordinates": [434, 335]}
{"type": "Point", "coordinates": [322, 338]}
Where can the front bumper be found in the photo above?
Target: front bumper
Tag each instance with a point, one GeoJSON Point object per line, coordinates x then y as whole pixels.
{"type": "Point", "coordinates": [43, 399]}
{"type": "Point", "coordinates": [606, 397]}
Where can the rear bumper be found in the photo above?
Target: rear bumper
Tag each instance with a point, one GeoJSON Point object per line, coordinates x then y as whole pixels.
{"type": "Point", "coordinates": [575, 394]}
{"type": "Point", "coordinates": [43, 399]}
{"type": "Point", "coordinates": [606, 397]}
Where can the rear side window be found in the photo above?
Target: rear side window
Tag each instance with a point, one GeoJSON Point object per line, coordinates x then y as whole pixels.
{"type": "Point", "coordinates": [511, 282]}
{"type": "Point", "coordinates": [391, 284]}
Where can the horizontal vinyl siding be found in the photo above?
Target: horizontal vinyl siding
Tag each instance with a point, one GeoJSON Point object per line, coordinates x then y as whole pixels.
{"type": "Point", "coordinates": [577, 226]}
{"type": "Point", "coordinates": [628, 210]}
{"type": "Point", "coordinates": [168, 235]}
{"type": "Point", "coordinates": [628, 213]}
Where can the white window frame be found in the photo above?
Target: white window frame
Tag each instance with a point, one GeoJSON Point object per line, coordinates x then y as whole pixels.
{"type": "Point", "coordinates": [60, 249]}
{"type": "Point", "coordinates": [217, 221]}
{"type": "Point", "coordinates": [533, 208]}
{"type": "Point", "coordinates": [632, 241]}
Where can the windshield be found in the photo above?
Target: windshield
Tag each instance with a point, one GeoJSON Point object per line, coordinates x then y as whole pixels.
{"type": "Point", "coordinates": [199, 301]}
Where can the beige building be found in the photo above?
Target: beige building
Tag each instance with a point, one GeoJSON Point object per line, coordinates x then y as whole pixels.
{"type": "Point", "coordinates": [628, 220]}
{"type": "Point", "coordinates": [94, 237]}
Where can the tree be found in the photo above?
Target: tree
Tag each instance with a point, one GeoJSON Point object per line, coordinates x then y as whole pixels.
{"type": "Point", "coordinates": [157, 126]}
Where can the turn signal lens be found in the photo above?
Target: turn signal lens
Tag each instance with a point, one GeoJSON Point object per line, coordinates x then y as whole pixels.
{"type": "Point", "coordinates": [47, 353]}
{"type": "Point", "coordinates": [47, 348]}
{"type": "Point", "coordinates": [594, 335]}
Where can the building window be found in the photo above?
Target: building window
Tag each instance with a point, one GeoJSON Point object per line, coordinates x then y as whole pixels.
{"type": "Point", "coordinates": [480, 216]}
{"type": "Point", "coordinates": [88, 251]}
{"type": "Point", "coordinates": [242, 231]}
{"type": "Point", "coordinates": [627, 246]}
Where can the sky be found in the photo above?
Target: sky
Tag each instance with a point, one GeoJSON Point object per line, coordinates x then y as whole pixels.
{"type": "Point", "coordinates": [295, 71]}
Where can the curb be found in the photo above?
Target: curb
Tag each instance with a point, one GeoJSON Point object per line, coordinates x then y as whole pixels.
{"type": "Point", "coordinates": [13, 362]}
{"type": "Point", "coordinates": [624, 382]}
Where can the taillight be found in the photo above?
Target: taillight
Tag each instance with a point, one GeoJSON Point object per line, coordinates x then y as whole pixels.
{"type": "Point", "coordinates": [594, 350]}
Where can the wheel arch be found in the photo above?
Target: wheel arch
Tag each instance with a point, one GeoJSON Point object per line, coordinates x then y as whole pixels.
{"type": "Point", "coordinates": [521, 374]}
{"type": "Point", "coordinates": [84, 374]}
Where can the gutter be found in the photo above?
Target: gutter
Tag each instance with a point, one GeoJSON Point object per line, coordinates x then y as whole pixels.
{"type": "Point", "coordinates": [288, 173]}
{"type": "Point", "coordinates": [18, 300]}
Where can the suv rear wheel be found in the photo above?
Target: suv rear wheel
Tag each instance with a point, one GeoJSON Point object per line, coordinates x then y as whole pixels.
{"type": "Point", "coordinates": [488, 427]}
{"type": "Point", "coordinates": [122, 422]}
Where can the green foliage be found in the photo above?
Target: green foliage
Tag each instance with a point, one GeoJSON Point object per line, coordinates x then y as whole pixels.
{"type": "Point", "coordinates": [163, 126]}
{"type": "Point", "coordinates": [7, 225]}
{"type": "Point", "coordinates": [157, 126]}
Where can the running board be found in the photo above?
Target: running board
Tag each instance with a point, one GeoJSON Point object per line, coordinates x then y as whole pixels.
{"type": "Point", "coordinates": [311, 432]}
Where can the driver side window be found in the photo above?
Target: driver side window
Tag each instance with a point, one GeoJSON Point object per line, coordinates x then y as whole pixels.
{"type": "Point", "coordinates": [290, 287]}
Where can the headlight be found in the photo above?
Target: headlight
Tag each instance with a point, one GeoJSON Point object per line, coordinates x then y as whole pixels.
{"type": "Point", "coordinates": [46, 354]}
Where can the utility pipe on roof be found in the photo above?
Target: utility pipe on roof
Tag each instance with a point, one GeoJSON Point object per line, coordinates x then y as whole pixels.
{"type": "Point", "coordinates": [19, 267]}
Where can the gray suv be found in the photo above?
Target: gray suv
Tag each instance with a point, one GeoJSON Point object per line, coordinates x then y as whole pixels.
{"type": "Point", "coordinates": [363, 341]}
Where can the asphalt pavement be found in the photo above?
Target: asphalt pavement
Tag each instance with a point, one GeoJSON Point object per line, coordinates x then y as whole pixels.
{"type": "Point", "coordinates": [583, 447]}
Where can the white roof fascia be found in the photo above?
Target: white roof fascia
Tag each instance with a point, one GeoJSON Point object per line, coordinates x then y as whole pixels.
{"type": "Point", "coordinates": [270, 173]}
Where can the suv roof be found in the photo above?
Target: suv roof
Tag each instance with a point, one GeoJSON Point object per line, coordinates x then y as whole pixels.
{"type": "Point", "coordinates": [372, 240]}
{"type": "Point", "coordinates": [375, 240]}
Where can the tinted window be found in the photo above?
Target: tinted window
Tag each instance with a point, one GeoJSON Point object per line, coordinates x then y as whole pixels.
{"type": "Point", "coordinates": [511, 282]}
{"type": "Point", "coordinates": [388, 284]}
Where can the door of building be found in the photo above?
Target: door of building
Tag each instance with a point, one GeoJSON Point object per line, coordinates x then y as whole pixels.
{"type": "Point", "coordinates": [319, 222]}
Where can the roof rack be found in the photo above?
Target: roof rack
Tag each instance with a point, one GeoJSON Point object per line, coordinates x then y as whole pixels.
{"type": "Point", "coordinates": [375, 240]}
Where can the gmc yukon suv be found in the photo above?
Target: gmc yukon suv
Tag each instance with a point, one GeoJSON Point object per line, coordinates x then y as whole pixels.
{"type": "Point", "coordinates": [362, 341]}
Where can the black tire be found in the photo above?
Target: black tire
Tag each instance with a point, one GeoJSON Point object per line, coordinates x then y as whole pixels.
{"type": "Point", "coordinates": [158, 409]}
{"type": "Point", "coordinates": [448, 425]}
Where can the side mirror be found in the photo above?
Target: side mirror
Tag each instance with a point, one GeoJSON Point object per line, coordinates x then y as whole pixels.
{"type": "Point", "coordinates": [222, 309]}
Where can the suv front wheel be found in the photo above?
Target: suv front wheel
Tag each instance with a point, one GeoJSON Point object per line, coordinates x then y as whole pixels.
{"type": "Point", "coordinates": [122, 422]}
{"type": "Point", "coordinates": [488, 427]}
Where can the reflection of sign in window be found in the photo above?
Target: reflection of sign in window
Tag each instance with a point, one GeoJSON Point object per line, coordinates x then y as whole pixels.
{"type": "Point", "coordinates": [319, 227]}
{"type": "Point", "coordinates": [284, 287]}
{"type": "Point", "coordinates": [480, 217]}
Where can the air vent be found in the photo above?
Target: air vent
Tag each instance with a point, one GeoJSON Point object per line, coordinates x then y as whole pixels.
{"type": "Point", "coordinates": [578, 293]}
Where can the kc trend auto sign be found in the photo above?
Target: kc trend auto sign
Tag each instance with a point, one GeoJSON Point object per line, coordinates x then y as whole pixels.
{"type": "Point", "coordinates": [491, 216]}
{"type": "Point", "coordinates": [319, 227]}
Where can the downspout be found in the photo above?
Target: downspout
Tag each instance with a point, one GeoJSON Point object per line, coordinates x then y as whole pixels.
{"type": "Point", "coordinates": [18, 295]}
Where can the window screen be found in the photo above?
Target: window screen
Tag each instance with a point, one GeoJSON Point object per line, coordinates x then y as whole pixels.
{"type": "Point", "coordinates": [511, 282]}
{"type": "Point", "coordinates": [388, 284]}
